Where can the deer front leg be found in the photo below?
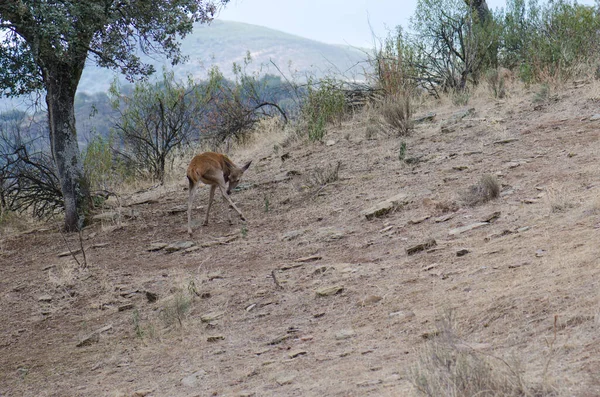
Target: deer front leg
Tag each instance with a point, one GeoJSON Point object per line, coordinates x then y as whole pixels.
{"type": "Point", "coordinates": [226, 196]}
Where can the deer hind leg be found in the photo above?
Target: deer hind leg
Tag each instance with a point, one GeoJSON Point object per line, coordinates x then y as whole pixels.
{"type": "Point", "coordinates": [210, 200]}
{"type": "Point", "coordinates": [192, 190]}
{"type": "Point", "coordinates": [226, 197]}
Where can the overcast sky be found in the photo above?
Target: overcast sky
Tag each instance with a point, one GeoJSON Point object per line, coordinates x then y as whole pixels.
{"type": "Point", "coordinates": [330, 21]}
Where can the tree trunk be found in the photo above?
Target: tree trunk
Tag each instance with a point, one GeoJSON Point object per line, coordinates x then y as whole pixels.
{"type": "Point", "coordinates": [61, 84]}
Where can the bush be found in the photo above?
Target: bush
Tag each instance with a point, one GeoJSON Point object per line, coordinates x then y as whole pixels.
{"type": "Point", "coordinates": [488, 188]}
{"type": "Point", "coordinates": [549, 40]}
{"type": "Point", "coordinates": [102, 168]}
{"type": "Point", "coordinates": [324, 103]}
{"type": "Point", "coordinates": [397, 113]}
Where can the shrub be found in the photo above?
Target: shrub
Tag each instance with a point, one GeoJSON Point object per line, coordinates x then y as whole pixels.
{"type": "Point", "coordinates": [488, 188]}
{"type": "Point", "coordinates": [324, 103]}
{"type": "Point", "coordinates": [496, 82]}
{"type": "Point", "coordinates": [397, 113]}
{"type": "Point", "coordinates": [449, 367]}
{"type": "Point", "coordinates": [323, 176]}
{"type": "Point", "coordinates": [102, 168]}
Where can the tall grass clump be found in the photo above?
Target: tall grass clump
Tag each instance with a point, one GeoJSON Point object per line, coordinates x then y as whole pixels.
{"type": "Point", "coordinates": [324, 103]}
{"type": "Point", "coordinates": [104, 170]}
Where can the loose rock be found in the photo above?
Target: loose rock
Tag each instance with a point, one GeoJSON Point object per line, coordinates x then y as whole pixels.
{"type": "Point", "coordinates": [193, 379]}
{"type": "Point", "coordinates": [328, 291]}
{"type": "Point", "coordinates": [157, 246]}
{"type": "Point", "coordinates": [345, 334]}
{"type": "Point", "coordinates": [384, 207]}
{"type": "Point", "coordinates": [210, 317]}
{"type": "Point", "coordinates": [463, 229]}
{"type": "Point", "coordinates": [421, 247]}
{"type": "Point", "coordinates": [181, 245]}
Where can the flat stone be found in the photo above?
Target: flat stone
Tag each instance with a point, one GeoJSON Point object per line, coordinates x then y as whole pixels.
{"type": "Point", "coordinates": [193, 379]}
{"type": "Point", "coordinates": [127, 306]}
{"type": "Point", "coordinates": [421, 247]}
{"type": "Point", "coordinates": [462, 252]}
{"type": "Point", "coordinates": [401, 316]}
{"type": "Point", "coordinates": [69, 253]}
{"type": "Point", "coordinates": [45, 298]}
{"type": "Point", "coordinates": [210, 317]}
{"type": "Point", "coordinates": [107, 216]}
{"type": "Point", "coordinates": [330, 234]}
{"type": "Point", "coordinates": [331, 290]}
{"type": "Point", "coordinates": [384, 207]}
{"type": "Point", "coordinates": [285, 379]}
{"type": "Point", "coordinates": [463, 229]}
{"type": "Point", "coordinates": [296, 353]}
{"type": "Point", "coordinates": [443, 218]}
{"type": "Point", "coordinates": [142, 393]}
{"type": "Point", "coordinates": [178, 246]}
{"type": "Point", "coordinates": [309, 258]}
{"type": "Point", "coordinates": [505, 141]}
{"type": "Point", "coordinates": [345, 334]}
{"type": "Point", "coordinates": [291, 235]}
{"type": "Point", "coordinates": [157, 246]}
{"type": "Point", "coordinates": [418, 220]}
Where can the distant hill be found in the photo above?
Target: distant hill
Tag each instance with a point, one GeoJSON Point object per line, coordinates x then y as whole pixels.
{"type": "Point", "coordinates": [223, 42]}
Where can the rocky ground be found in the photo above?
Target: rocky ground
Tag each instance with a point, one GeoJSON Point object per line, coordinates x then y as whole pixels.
{"type": "Point", "coordinates": [352, 264]}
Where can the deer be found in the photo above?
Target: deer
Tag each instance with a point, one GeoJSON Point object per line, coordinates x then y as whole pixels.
{"type": "Point", "coordinates": [215, 170]}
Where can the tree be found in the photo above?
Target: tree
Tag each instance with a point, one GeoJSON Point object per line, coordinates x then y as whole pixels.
{"type": "Point", "coordinates": [44, 45]}
{"type": "Point", "coordinates": [157, 118]}
{"type": "Point", "coordinates": [454, 38]}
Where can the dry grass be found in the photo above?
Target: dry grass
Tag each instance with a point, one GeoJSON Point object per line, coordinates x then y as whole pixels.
{"type": "Point", "coordinates": [322, 176]}
{"type": "Point", "coordinates": [446, 369]}
{"type": "Point", "coordinates": [397, 112]}
{"type": "Point", "coordinates": [559, 199]}
{"type": "Point", "coordinates": [506, 294]}
{"type": "Point", "coordinates": [488, 188]}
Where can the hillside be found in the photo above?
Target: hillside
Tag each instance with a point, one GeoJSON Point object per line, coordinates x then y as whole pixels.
{"type": "Point", "coordinates": [238, 314]}
{"type": "Point", "coordinates": [223, 42]}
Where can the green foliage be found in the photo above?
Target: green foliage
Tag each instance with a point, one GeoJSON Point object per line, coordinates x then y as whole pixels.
{"type": "Point", "coordinates": [102, 169]}
{"type": "Point", "coordinates": [42, 34]}
{"type": "Point", "coordinates": [176, 309]}
{"type": "Point", "coordinates": [548, 40]}
{"type": "Point", "coordinates": [402, 151]}
{"type": "Point", "coordinates": [324, 103]}
{"type": "Point", "coordinates": [452, 44]}
{"type": "Point", "coordinates": [395, 64]}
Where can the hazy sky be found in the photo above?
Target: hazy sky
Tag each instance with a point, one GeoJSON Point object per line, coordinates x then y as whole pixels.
{"type": "Point", "coordinates": [330, 21]}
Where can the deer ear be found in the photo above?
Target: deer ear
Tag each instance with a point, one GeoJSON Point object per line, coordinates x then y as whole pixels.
{"type": "Point", "coordinates": [244, 168]}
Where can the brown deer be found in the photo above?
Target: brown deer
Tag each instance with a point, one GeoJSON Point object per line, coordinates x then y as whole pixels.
{"type": "Point", "coordinates": [216, 170]}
